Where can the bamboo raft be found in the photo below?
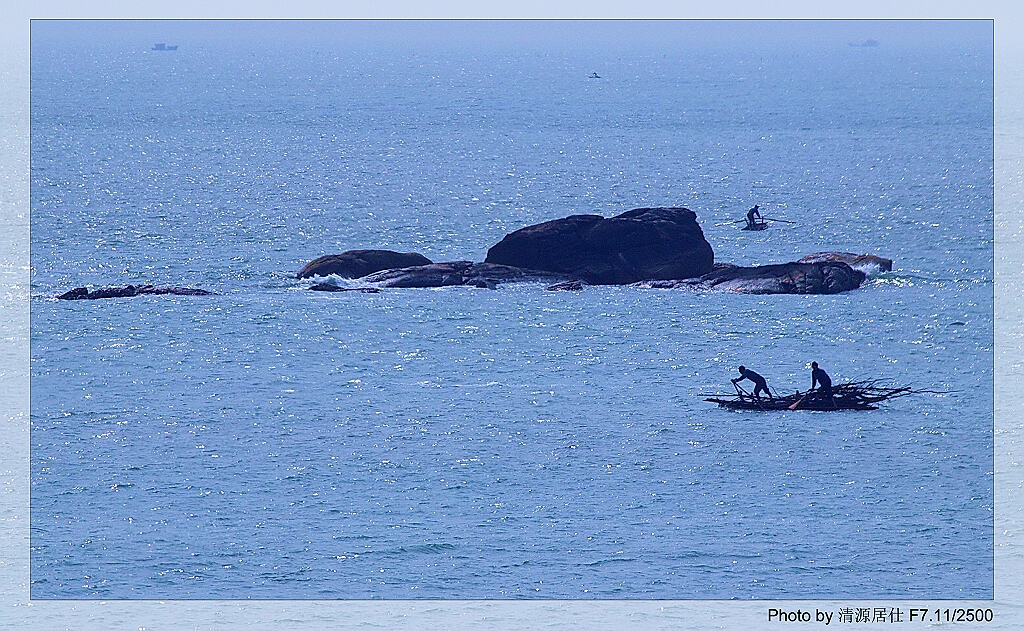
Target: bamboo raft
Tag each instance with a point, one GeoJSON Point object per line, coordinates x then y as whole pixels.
{"type": "Point", "coordinates": [852, 395]}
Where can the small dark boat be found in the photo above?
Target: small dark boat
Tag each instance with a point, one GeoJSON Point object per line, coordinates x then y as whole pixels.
{"type": "Point", "coordinates": [594, 75]}
{"type": "Point", "coordinates": [764, 404]}
{"type": "Point", "coordinates": [757, 225]}
{"type": "Point", "coordinates": [163, 46]}
{"type": "Point", "coordinates": [854, 395]}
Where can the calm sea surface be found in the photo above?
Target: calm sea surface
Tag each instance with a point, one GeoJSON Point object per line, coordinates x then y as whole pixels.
{"type": "Point", "coordinates": [271, 442]}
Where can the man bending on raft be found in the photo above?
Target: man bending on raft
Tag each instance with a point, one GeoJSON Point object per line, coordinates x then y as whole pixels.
{"type": "Point", "coordinates": [760, 385]}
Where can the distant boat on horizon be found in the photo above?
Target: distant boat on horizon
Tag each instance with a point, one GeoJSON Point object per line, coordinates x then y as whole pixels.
{"type": "Point", "coordinates": [868, 43]}
{"type": "Point", "coordinates": [162, 46]}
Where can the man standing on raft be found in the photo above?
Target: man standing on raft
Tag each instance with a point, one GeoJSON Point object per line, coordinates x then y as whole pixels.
{"type": "Point", "coordinates": [751, 214]}
{"type": "Point", "coordinates": [760, 385]}
{"type": "Point", "coordinates": [820, 377]}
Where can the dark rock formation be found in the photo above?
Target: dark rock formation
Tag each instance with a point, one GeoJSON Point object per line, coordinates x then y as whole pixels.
{"type": "Point", "coordinates": [78, 293]}
{"type": "Point", "coordinates": [641, 244]}
{"type": "Point", "coordinates": [338, 288]}
{"type": "Point", "coordinates": [81, 293]}
{"type": "Point", "coordinates": [569, 285]}
{"type": "Point", "coordinates": [863, 262]}
{"type": "Point", "coordinates": [482, 283]}
{"type": "Point", "coordinates": [786, 278]}
{"type": "Point", "coordinates": [356, 263]}
{"type": "Point", "coordinates": [457, 273]}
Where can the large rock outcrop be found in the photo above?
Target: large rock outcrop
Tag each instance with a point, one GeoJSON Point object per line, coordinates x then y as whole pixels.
{"type": "Point", "coordinates": [785, 278]}
{"type": "Point", "coordinates": [454, 273]}
{"type": "Point", "coordinates": [129, 291]}
{"type": "Point", "coordinates": [641, 244]}
{"type": "Point", "coordinates": [868, 263]}
{"type": "Point", "coordinates": [356, 263]}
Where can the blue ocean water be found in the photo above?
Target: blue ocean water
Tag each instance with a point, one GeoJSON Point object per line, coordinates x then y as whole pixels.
{"type": "Point", "coordinates": [271, 442]}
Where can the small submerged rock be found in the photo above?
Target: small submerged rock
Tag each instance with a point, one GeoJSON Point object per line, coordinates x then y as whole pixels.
{"type": "Point", "coordinates": [128, 291]}
{"type": "Point", "coordinates": [356, 263]}
{"type": "Point", "coordinates": [483, 283]}
{"type": "Point", "coordinates": [569, 285]}
{"type": "Point", "coordinates": [337, 288]}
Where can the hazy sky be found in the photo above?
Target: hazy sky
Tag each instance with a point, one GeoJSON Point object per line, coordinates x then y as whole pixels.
{"type": "Point", "coordinates": [640, 33]}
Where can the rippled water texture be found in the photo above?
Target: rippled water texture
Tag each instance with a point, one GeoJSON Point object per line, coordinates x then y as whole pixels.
{"type": "Point", "coordinates": [461, 443]}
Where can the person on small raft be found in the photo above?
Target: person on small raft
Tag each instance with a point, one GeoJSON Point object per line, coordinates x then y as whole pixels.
{"type": "Point", "coordinates": [760, 384]}
{"type": "Point", "coordinates": [820, 378]}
